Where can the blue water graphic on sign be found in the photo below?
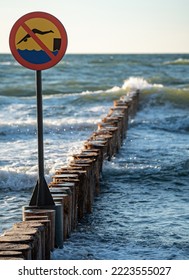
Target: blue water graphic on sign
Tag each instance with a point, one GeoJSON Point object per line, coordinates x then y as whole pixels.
{"type": "Point", "coordinates": [35, 57]}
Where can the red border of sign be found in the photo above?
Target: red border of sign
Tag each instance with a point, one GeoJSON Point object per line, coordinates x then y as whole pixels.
{"type": "Point", "coordinates": [19, 23]}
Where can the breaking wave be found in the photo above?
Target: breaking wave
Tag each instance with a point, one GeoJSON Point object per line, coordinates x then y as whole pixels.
{"type": "Point", "coordinates": [179, 61]}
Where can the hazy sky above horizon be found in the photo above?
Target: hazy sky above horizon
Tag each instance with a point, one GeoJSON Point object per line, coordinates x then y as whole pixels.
{"type": "Point", "coordinates": [109, 26]}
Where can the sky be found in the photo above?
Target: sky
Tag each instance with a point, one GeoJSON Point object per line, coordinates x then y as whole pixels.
{"type": "Point", "coordinates": [109, 26]}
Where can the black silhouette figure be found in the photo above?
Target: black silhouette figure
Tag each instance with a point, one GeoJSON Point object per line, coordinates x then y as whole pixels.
{"type": "Point", "coordinates": [36, 31]}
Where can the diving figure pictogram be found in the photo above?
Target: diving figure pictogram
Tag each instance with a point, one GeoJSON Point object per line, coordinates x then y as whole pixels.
{"type": "Point", "coordinates": [36, 31]}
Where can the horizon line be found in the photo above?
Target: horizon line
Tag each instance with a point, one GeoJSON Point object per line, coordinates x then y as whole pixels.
{"type": "Point", "coordinates": [113, 53]}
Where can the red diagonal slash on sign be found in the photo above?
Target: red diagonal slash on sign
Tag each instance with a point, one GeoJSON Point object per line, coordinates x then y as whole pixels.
{"type": "Point", "coordinates": [37, 40]}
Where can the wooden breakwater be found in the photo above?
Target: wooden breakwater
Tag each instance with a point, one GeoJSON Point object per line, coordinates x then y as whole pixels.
{"type": "Point", "coordinates": [73, 189]}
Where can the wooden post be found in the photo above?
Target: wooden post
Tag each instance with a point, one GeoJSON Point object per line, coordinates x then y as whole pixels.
{"type": "Point", "coordinates": [82, 188]}
{"type": "Point", "coordinates": [25, 249]}
{"type": "Point", "coordinates": [70, 178]}
{"type": "Point", "coordinates": [46, 236]}
{"type": "Point", "coordinates": [37, 228]}
{"type": "Point", "coordinates": [37, 240]}
{"type": "Point", "coordinates": [27, 211]}
{"type": "Point", "coordinates": [21, 239]}
{"type": "Point", "coordinates": [66, 193]}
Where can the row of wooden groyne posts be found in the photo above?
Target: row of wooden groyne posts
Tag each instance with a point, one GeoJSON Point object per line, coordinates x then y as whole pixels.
{"type": "Point", "coordinates": [73, 189]}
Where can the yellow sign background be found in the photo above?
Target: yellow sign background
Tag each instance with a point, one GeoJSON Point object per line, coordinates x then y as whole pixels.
{"type": "Point", "coordinates": [42, 25]}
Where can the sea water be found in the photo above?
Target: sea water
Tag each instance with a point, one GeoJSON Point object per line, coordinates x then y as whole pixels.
{"type": "Point", "coordinates": [142, 211]}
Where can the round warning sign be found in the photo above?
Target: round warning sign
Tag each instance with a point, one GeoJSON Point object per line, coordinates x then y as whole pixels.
{"type": "Point", "coordinates": [38, 40]}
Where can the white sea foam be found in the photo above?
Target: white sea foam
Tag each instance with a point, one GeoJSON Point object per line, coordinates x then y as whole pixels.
{"type": "Point", "coordinates": [178, 61]}
{"type": "Point", "coordinates": [15, 179]}
{"type": "Point", "coordinates": [134, 83]}
{"type": "Point", "coordinates": [19, 158]}
{"type": "Point", "coordinates": [9, 63]}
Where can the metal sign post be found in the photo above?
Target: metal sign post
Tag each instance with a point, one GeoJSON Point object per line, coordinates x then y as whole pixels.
{"type": "Point", "coordinates": [41, 195]}
{"type": "Point", "coordinates": [38, 41]}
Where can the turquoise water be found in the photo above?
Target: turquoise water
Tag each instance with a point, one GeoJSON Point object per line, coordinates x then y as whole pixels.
{"type": "Point", "coordinates": [142, 211]}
